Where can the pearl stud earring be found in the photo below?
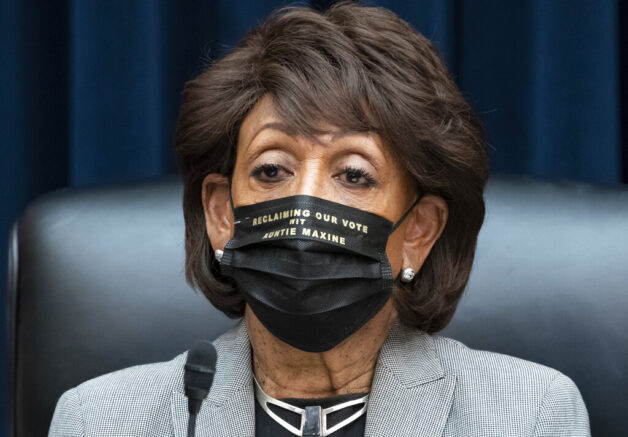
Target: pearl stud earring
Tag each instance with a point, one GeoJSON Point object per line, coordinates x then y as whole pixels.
{"type": "Point", "coordinates": [218, 254]}
{"type": "Point", "coordinates": [407, 275]}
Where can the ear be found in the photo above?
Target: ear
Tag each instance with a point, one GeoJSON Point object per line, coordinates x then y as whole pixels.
{"type": "Point", "coordinates": [217, 209]}
{"type": "Point", "coordinates": [425, 225]}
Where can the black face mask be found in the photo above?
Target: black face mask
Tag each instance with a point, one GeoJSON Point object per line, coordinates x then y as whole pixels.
{"type": "Point", "coordinates": [313, 271]}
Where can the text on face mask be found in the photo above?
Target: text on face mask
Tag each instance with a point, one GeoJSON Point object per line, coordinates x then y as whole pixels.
{"type": "Point", "coordinates": [293, 215]}
{"type": "Point", "coordinates": [306, 232]}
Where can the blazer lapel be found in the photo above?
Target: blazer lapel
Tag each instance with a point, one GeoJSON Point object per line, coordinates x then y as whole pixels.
{"type": "Point", "coordinates": [411, 395]}
{"type": "Point", "coordinates": [229, 410]}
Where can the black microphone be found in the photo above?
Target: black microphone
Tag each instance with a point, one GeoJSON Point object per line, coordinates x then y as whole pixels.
{"type": "Point", "coordinates": [200, 367]}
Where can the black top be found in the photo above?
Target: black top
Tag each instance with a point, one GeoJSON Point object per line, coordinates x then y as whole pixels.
{"type": "Point", "coordinates": [265, 426]}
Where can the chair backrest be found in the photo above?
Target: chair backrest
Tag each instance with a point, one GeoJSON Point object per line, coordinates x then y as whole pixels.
{"type": "Point", "coordinates": [97, 284]}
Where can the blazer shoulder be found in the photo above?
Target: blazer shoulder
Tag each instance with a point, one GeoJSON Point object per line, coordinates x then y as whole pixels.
{"type": "Point", "coordinates": [458, 358]}
{"type": "Point", "coordinates": [131, 401]}
{"type": "Point", "coordinates": [138, 400]}
{"type": "Point", "coordinates": [161, 376]}
{"type": "Point", "coordinates": [542, 399]}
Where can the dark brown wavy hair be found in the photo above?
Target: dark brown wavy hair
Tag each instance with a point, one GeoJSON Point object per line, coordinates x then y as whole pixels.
{"type": "Point", "coordinates": [359, 69]}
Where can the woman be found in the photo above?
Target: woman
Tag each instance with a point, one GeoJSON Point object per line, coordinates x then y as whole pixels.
{"type": "Point", "coordinates": [333, 180]}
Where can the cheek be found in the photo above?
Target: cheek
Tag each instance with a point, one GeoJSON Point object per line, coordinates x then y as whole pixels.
{"type": "Point", "coordinates": [394, 249]}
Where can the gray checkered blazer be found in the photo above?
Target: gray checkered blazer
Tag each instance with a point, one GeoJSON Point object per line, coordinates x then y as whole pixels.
{"type": "Point", "coordinates": [423, 386]}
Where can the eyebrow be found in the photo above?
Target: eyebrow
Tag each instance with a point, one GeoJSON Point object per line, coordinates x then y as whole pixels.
{"type": "Point", "coordinates": [292, 132]}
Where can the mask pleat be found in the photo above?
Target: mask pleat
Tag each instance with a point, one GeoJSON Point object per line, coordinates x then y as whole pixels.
{"type": "Point", "coordinates": [313, 271]}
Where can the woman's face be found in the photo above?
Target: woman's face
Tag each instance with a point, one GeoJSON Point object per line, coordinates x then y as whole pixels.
{"type": "Point", "coordinates": [355, 169]}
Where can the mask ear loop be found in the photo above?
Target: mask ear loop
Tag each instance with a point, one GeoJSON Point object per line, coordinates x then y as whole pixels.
{"type": "Point", "coordinates": [405, 214]}
{"type": "Point", "coordinates": [230, 197]}
{"type": "Point", "coordinates": [403, 217]}
{"type": "Point", "coordinates": [231, 201]}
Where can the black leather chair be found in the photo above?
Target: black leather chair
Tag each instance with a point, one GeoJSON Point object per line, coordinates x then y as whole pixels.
{"type": "Point", "coordinates": [96, 284]}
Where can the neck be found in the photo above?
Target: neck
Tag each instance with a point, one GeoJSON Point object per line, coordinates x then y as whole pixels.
{"type": "Point", "coordinates": [286, 372]}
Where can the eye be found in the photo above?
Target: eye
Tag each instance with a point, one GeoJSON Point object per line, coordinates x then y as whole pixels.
{"type": "Point", "coordinates": [268, 172]}
{"type": "Point", "coordinates": [358, 176]}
